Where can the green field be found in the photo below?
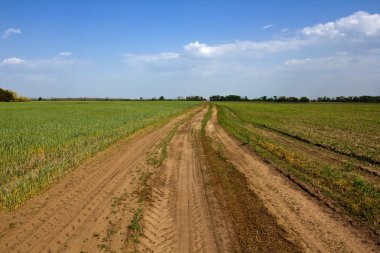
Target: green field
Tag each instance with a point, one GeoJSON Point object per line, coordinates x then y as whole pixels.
{"type": "Point", "coordinates": [352, 129]}
{"type": "Point", "coordinates": [333, 150]}
{"type": "Point", "coordinates": [41, 141]}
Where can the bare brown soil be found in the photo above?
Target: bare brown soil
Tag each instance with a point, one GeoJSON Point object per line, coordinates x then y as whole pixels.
{"type": "Point", "coordinates": [208, 195]}
{"type": "Point", "coordinates": [178, 219]}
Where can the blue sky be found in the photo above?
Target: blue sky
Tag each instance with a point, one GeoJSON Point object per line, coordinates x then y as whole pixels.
{"type": "Point", "coordinates": [178, 48]}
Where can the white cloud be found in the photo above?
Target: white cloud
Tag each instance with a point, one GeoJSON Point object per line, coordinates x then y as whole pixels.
{"type": "Point", "coordinates": [297, 62]}
{"type": "Point", "coordinates": [65, 54]}
{"type": "Point", "coordinates": [242, 48]}
{"type": "Point", "coordinates": [12, 61]}
{"type": "Point", "coordinates": [339, 60]}
{"type": "Point", "coordinates": [11, 31]}
{"type": "Point", "coordinates": [150, 58]}
{"type": "Point", "coordinates": [41, 64]}
{"type": "Point", "coordinates": [202, 50]}
{"type": "Point", "coordinates": [352, 28]}
{"type": "Point", "coordinates": [360, 23]}
{"type": "Point", "coordinates": [265, 27]}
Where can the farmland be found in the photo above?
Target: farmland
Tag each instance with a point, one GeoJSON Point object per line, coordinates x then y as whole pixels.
{"type": "Point", "coordinates": [332, 150]}
{"type": "Point", "coordinates": [41, 141]}
{"type": "Point", "coordinates": [195, 177]}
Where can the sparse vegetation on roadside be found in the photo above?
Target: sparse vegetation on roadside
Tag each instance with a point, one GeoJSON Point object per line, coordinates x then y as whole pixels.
{"type": "Point", "coordinates": [338, 179]}
{"type": "Point", "coordinates": [159, 154]}
{"type": "Point", "coordinates": [135, 228]}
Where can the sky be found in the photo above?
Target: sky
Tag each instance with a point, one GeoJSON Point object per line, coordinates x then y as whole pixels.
{"type": "Point", "coordinates": [133, 49]}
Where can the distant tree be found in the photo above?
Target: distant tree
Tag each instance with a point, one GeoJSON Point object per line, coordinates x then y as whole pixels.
{"type": "Point", "coordinates": [161, 98]}
{"type": "Point", "coordinates": [232, 98]}
{"type": "Point", "coordinates": [194, 98]}
{"type": "Point", "coordinates": [215, 98]}
{"type": "Point", "coordinates": [281, 99]}
{"type": "Point", "coordinates": [7, 95]}
{"type": "Point", "coordinates": [292, 99]}
{"type": "Point", "coordinates": [304, 99]}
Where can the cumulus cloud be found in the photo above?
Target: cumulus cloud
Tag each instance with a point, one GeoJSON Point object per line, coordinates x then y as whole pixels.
{"type": "Point", "coordinates": [12, 61]}
{"type": "Point", "coordinates": [65, 54]}
{"type": "Point", "coordinates": [202, 50]}
{"type": "Point", "coordinates": [325, 59]}
{"type": "Point", "coordinates": [360, 23]}
{"type": "Point", "coordinates": [352, 28]}
{"type": "Point", "coordinates": [247, 48]}
{"type": "Point", "coordinates": [11, 31]}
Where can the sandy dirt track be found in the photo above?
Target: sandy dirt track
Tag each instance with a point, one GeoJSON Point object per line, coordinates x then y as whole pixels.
{"type": "Point", "coordinates": [91, 208]}
{"type": "Point", "coordinates": [178, 220]}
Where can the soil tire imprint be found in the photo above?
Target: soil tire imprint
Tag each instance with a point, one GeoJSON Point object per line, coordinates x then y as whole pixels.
{"type": "Point", "coordinates": [315, 226]}
{"type": "Point", "coordinates": [178, 218]}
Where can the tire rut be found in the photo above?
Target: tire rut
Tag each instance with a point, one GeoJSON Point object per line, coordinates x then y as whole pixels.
{"type": "Point", "coordinates": [178, 219]}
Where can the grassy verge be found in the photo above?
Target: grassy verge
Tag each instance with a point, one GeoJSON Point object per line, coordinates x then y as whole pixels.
{"type": "Point", "coordinates": [340, 184]}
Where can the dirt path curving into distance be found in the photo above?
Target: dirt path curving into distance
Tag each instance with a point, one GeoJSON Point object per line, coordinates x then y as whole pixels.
{"type": "Point", "coordinates": [316, 227]}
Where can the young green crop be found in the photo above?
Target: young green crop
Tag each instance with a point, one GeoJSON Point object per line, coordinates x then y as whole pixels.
{"type": "Point", "coordinates": [41, 141]}
{"type": "Point", "coordinates": [348, 128]}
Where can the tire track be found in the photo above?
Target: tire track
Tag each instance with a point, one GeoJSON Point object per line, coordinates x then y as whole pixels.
{"type": "Point", "coordinates": [178, 219]}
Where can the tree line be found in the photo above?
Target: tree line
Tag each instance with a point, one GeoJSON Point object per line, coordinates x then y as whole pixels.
{"type": "Point", "coordinates": [11, 96]}
{"type": "Point", "coordinates": [359, 99]}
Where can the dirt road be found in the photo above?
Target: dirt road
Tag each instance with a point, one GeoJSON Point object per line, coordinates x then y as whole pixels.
{"type": "Point", "coordinates": [207, 195]}
{"type": "Point", "coordinates": [178, 220]}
